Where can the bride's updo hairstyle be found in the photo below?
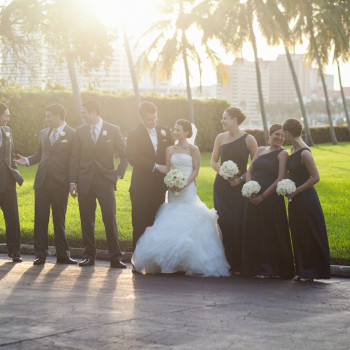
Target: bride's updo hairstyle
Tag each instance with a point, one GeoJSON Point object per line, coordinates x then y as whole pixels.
{"type": "Point", "coordinates": [234, 112]}
{"type": "Point", "coordinates": [293, 126]}
{"type": "Point", "coordinates": [186, 126]}
{"type": "Point", "coordinates": [275, 127]}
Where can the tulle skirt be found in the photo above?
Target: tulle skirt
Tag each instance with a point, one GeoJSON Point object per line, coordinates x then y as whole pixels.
{"type": "Point", "coordinates": [185, 237]}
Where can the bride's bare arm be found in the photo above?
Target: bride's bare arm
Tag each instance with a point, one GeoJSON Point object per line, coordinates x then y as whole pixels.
{"type": "Point", "coordinates": [196, 160]}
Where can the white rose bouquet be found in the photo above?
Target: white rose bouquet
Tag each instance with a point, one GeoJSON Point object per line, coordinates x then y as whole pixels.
{"type": "Point", "coordinates": [285, 187]}
{"type": "Point", "coordinates": [249, 188]}
{"type": "Point", "coordinates": [229, 170]}
{"type": "Point", "coordinates": [175, 178]}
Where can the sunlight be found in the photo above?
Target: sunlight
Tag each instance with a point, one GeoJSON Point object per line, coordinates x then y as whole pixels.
{"type": "Point", "coordinates": [135, 13]}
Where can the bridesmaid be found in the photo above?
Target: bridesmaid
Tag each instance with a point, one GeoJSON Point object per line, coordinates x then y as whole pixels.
{"type": "Point", "coordinates": [235, 145]}
{"type": "Point", "coordinates": [266, 250]}
{"type": "Point", "coordinates": [306, 221]}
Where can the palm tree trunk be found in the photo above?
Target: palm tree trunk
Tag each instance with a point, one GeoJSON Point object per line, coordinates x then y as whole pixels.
{"type": "Point", "coordinates": [313, 43]}
{"type": "Point", "coordinates": [258, 78]}
{"type": "Point", "coordinates": [131, 67]}
{"type": "Point", "coordinates": [343, 98]}
{"type": "Point", "coordinates": [308, 137]}
{"type": "Point", "coordinates": [188, 86]}
{"type": "Point", "coordinates": [74, 82]}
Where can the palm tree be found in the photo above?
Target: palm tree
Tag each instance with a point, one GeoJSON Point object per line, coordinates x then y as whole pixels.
{"type": "Point", "coordinates": [77, 35]}
{"type": "Point", "coordinates": [131, 65]}
{"type": "Point", "coordinates": [231, 22]}
{"type": "Point", "coordinates": [312, 16]}
{"type": "Point", "coordinates": [171, 44]}
{"type": "Point", "coordinates": [275, 29]}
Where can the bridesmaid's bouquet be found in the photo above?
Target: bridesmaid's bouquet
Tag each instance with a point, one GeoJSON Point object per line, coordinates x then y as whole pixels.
{"type": "Point", "coordinates": [285, 187]}
{"type": "Point", "coordinates": [251, 187]}
{"type": "Point", "coordinates": [175, 178]}
{"type": "Point", "coordinates": [229, 170]}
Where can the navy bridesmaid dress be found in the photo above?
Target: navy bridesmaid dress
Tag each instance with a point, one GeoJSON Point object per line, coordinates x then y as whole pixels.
{"type": "Point", "coordinates": [229, 202]}
{"type": "Point", "coordinates": [267, 249]}
{"type": "Point", "coordinates": [307, 225]}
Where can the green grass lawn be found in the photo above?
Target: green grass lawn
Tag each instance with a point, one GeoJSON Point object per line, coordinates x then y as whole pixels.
{"type": "Point", "coordinates": [333, 189]}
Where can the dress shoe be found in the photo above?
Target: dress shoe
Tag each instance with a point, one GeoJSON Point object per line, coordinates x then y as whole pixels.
{"type": "Point", "coordinates": [87, 262]}
{"type": "Point", "coordinates": [39, 261]}
{"type": "Point", "coordinates": [16, 258]}
{"type": "Point", "coordinates": [118, 264]}
{"type": "Point", "coordinates": [66, 260]}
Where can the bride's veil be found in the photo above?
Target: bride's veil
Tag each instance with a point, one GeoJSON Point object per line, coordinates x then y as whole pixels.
{"type": "Point", "coordinates": [194, 134]}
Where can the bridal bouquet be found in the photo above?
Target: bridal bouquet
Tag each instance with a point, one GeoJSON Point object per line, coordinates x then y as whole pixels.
{"type": "Point", "coordinates": [249, 188]}
{"type": "Point", "coordinates": [229, 170]}
{"type": "Point", "coordinates": [285, 187]}
{"type": "Point", "coordinates": [175, 178]}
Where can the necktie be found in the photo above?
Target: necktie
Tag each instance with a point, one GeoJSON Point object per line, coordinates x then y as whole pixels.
{"type": "Point", "coordinates": [153, 136]}
{"type": "Point", "coordinates": [94, 133]}
{"type": "Point", "coordinates": [53, 136]}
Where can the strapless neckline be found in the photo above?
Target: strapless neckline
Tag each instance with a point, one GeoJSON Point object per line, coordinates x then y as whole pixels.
{"type": "Point", "coordinates": [182, 154]}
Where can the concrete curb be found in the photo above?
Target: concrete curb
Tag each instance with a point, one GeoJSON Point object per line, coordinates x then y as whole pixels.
{"type": "Point", "coordinates": [74, 252]}
{"type": "Point", "coordinates": [336, 270]}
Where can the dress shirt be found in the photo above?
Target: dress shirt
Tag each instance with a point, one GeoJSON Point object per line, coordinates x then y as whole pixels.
{"type": "Point", "coordinates": [98, 128]}
{"type": "Point", "coordinates": [153, 135]}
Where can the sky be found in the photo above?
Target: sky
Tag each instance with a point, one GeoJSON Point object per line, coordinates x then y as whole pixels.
{"type": "Point", "coordinates": [138, 14]}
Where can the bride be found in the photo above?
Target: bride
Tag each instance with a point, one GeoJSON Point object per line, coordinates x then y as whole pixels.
{"type": "Point", "coordinates": [185, 235]}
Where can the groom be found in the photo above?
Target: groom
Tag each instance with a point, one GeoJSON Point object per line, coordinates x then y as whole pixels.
{"type": "Point", "coordinates": [146, 147]}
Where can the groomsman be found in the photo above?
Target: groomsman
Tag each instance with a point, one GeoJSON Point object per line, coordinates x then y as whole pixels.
{"type": "Point", "coordinates": [51, 184]}
{"type": "Point", "coordinates": [146, 153]}
{"type": "Point", "coordinates": [93, 176]}
{"type": "Point", "coordinates": [8, 194]}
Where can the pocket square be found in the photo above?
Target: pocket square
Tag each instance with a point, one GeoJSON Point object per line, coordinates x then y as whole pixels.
{"type": "Point", "coordinates": [108, 141]}
{"type": "Point", "coordinates": [64, 141]}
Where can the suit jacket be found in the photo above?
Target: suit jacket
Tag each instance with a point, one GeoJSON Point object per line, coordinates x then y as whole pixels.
{"type": "Point", "coordinates": [53, 159]}
{"type": "Point", "coordinates": [8, 167]}
{"type": "Point", "coordinates": [142, 157]}
{"type": "Point", "coordinates": [89, 160]}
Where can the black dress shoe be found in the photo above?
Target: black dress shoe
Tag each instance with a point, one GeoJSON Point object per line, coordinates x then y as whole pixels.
{"type": "Point", "coordinates": [118, 264]}
{"type": "Point", "coordinates": [66, 260]}
{"type": "Point", "coordinates": [16, 258]}
{"type": "Point", "coordinates": [87, 262]}
{"type": "Point", "coordinates": [39, 261]}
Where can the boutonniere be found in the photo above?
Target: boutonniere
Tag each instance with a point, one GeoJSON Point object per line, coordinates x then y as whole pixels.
{"type": "Point", "coordinates": [62, 134]}
{"type": "Point", "coordinates": [104, 133]}
{"type": "Point", "coordinates": [163, 132]}
{"type": "Point", "coordinates": [7, 134]}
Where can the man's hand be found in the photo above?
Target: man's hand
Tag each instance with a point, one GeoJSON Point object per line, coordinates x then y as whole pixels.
{"type": "Point", "coordinates": [163, 169]}
{"type": "Point", "coordinates": [21, 160]}
{"type": "Point", "coordinates": [73, 190]}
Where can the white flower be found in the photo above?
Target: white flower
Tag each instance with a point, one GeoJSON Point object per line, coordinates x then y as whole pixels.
{"type": "Point", "coordinates": [249, 188]}
{"type": "Point", "coordinates": [163, 132]}
{"type": "Point", "coordinates": [285, 187]}
{"type": "Point", "coordinates": [175, 178]}
{"type": "Point", "coordinates": [104, 133]}
{"type": "Point", "coordinates": [62, 134]}
{"type": "Point", "coordinates": [7, 134]}
{"type": "Point", "coordinates": [228, 170]}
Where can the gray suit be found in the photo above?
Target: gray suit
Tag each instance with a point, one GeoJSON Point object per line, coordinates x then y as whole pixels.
{"type": "Point", "coordinates": [51, 190]}
{"type": "Point", "coordinates": [8, 195]}
{"type": "Point", "coordinates": [92, 169]}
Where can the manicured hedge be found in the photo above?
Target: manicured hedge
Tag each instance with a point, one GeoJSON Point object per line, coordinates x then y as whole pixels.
{"type": "Point", "coordinates": [27, 108]}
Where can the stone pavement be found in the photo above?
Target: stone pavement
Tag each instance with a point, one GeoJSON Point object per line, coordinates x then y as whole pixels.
{"type": "Point", "coordinates": [68, 307]}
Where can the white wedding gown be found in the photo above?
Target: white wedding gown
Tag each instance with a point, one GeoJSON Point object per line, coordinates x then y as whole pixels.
{"type": "Point", "coordinates": [185, 235]}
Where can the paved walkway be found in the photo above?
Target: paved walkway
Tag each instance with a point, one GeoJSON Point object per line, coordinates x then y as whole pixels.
{"type": "Point", "coordinates": [67, 307]}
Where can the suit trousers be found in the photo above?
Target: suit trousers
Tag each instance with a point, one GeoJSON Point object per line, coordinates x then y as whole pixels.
{"type": "Point", "coordinates": [103, 191]}
{"type": "Point", "coordinates": [144, 210]}
{"type": "Point", "coordinates": [56, 198]}
{"type": "Point", "coordinates": [9, 206]}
